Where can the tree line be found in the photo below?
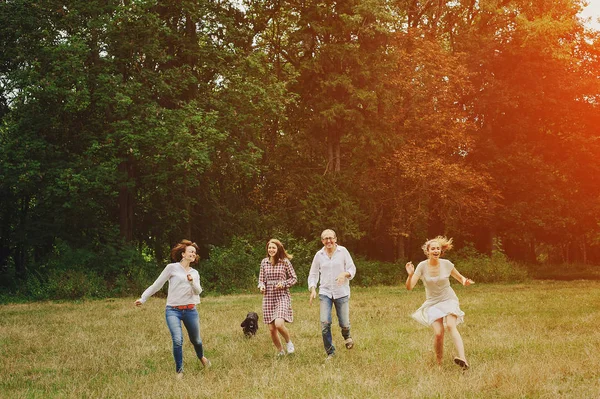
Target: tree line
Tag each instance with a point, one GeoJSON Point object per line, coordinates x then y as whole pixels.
{"type": "Point", "coordinates": [128, 125]}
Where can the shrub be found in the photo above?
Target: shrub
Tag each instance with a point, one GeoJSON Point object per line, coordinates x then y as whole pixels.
{"type": "Point", "coordinates": [35, 288]}
{"type": "Point", "coordinates": [97, 271]}
{"type": "Point", "coordinates": [76, 284]}
{"type": "Point", "coordinates": [489, 269]}
{"type": "Point", "coordinates": [566, 272]}
{"type": "Point", "coordinates": [231, 268]}
{"type": "Point", "coordinates": [370, 273]}
{"type": "Point", "coordinates": [119, 270]}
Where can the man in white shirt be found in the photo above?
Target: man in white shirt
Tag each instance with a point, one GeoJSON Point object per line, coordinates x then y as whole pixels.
{"type": "Point", "coordinates": [335, 268]}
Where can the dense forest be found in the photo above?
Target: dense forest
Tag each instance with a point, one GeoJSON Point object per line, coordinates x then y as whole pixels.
{"type": "Point", "coordinates": [128, 125]}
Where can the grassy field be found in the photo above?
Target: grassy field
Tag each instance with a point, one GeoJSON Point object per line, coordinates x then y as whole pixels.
{"type": "Point", "coordinates": [533, 340]}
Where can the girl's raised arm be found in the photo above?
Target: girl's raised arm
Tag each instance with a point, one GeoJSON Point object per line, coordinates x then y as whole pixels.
{"type": "Point", "coordinates": [460, 278]}
{"type": "Point", "coordinates": [413, 278]}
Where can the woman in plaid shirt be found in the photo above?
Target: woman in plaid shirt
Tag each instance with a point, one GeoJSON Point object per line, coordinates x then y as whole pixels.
{"type": "Point", "coordinates": [276, 277]}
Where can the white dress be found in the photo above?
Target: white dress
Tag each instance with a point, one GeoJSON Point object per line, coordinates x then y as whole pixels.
{"type": "Point", "coordinates": [440, 299]}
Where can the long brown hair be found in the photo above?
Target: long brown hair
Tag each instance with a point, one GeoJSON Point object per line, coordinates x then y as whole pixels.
{"type": "Point", "coordinates": [179, 249]}
{"type": "Point", "coordinates": [281, 252]}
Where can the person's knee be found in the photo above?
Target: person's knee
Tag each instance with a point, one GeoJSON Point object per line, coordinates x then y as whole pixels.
{"type": "Point", "coordinates": [177, 341]}
{"type": "Point", "coordinates": [325, 327]}
{"type": "Point", "coordinates": [195, 337]}
{"type": "Point", "coordinates": [439, 334]}
{"type": "Point", "coordinates": [279, 323]}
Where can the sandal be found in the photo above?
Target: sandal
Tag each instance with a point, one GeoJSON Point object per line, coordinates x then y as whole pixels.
{"type": "Point", "coordinates": [462, 363]}
{"type": "Point", "coordinates": [349, 343]}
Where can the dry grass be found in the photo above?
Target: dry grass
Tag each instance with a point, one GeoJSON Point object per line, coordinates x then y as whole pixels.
{"type": "Point", "coordinates": [534, 340]}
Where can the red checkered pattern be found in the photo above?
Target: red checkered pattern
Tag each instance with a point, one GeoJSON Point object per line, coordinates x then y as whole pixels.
{"type": "Point", "coordinates": [277, 303]}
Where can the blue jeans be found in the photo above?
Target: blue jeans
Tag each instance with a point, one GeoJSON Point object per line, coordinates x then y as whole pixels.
{"type": "Point", "coordinates": [190, 320]}
{"type": "Point", "coordinates": [342, 309]}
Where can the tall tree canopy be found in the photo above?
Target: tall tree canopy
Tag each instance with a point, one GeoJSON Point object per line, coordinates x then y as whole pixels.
{"type": "Point", "coordinates": [131, 124]}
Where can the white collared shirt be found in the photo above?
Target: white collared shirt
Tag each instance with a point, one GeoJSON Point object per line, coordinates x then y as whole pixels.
{"type": "Point", "coordinates": [181, 291]}
{"type": "Point", "coordinates": [328, 269]}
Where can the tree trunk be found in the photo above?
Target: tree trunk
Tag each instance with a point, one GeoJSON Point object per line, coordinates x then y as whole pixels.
{"type": "Point", "coordinates": [333, 153]}
{"type": "Point", "coordinates": [435, 224]}
{"type": "Point", "coordinates": [330, 157]}
{"type": "Point", "coordinates": [21, 247]}
{"type": "Point", "coordinates": [20, 265]}
{"type": "Point", "coordinates": [187, 230]}
{"type": "Point", "coordinates": [399, 248]}
{"type": "Point", "coordinates": [484, 240]}
{"type": "Point", "coordinates": [126, 202]}
{"type": "Point", "coordinates": [337, 154]}
{"type": "Point", "coordinates": [5, 233]}
{"type": "Point", "coordinates": [159, 251]}
{"type": "Point", "coordinates": [532, 252]}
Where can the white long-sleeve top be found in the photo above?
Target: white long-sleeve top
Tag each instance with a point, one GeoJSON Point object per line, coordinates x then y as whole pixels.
{"type": "Point", "coordinates": [328, 269]}
{"type": "Point", "coordinates": [181, 291]}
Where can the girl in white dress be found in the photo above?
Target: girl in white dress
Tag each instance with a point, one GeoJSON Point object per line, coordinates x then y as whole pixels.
{"type": "Point", "coordinates": [441, 303]}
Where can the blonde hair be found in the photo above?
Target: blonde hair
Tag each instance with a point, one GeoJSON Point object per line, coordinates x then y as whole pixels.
{"type": "Point", "coordinates": [445, 244]}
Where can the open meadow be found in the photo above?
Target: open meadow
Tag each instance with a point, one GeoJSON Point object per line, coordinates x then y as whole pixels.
{"type": "Point", "coordinates": [538, 339]}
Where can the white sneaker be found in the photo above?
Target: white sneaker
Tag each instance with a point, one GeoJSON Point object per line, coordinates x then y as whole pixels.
{"type": "Point", "coordinates": [281, 354]}
{"type": "Point", "coordinates": [290, 347]}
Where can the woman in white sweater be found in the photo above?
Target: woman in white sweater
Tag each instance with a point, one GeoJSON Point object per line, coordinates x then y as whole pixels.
{"type": "Point", "coordinates": [183, 296]}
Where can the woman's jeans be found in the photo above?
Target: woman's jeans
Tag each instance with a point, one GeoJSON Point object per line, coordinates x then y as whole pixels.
{"type": "Point", "coordinates": [190, 320]}
{"type": "Point", "coordinates": [342, 308]}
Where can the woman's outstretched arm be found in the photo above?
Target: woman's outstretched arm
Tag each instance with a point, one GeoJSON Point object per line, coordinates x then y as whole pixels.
{"type": "Point", "coordinates": [413, 278]}
{"type": "Point", "coordinates": [460, 278]}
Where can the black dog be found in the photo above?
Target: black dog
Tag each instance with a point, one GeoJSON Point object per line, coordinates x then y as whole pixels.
{"type": "Point", "coordinates": [250, 324]}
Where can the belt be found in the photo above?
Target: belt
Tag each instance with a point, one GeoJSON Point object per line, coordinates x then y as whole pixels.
{"type": "Point", "coordinates": [184, 307]}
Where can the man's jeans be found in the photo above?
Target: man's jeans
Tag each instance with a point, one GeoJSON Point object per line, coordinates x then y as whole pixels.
{"type": "Point", "coordinates": [342, 309]}
{"type": "Point", "coordinates": [190, 320]}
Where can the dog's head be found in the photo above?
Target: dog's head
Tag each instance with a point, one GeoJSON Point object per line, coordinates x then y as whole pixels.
{"type": "Point", "coordinates": [250, 324]}
{"type": "Point", "coordinates": [252, 316]}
